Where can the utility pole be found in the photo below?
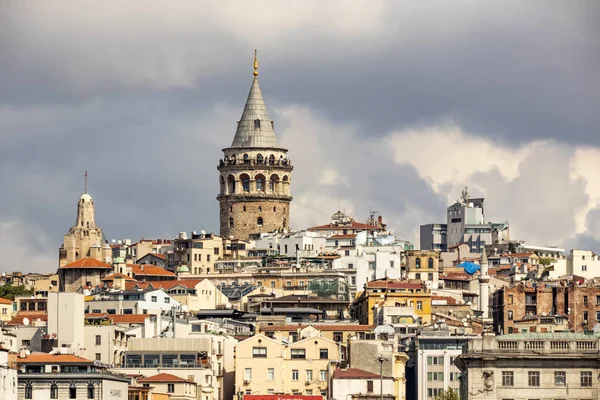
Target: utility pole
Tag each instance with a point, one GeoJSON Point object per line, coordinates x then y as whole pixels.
{"type": "Point", "coordinates": [381, 360]}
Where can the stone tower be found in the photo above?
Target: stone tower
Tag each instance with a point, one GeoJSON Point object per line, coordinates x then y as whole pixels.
{"type": "Point", "coordinates": [254, 174]}
{"type": "Point", "coordinates": [84, 239]}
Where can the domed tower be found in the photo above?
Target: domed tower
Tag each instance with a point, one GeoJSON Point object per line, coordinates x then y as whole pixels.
{"type": "Point", "coordinates": [254, 174]}
{"type": "Point", "coordinates": [84, 239]}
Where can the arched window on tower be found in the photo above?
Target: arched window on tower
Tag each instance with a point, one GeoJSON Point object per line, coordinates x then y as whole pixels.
{"type": "Point", "coordinates": [231, 222]}
{"type": "Point", "coordinates": [260, 183]}
{"type": "Point", "coordinates": [246, 159]}
{"type": "Point", "coordinates": [259, 221]}
{"type": "Point", "coordinates": [230, 184]}
{"type": "Point", "coordinates": [430, 263]}
{"type": "Point", "coordinates": [245, 183]}
{"type": "Point", "coordinates": [418, 263]}
{"type": "Point", "coordinates": [259, 159]}
{"type": "Point", "coordinates": [257, 123]}
{"type": "Point", "coordinates": [271, 159]}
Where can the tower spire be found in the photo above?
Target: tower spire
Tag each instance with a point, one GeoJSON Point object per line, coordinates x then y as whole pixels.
{"type": "Point", "coordinates": [255, 64]}
{"type": "Point", "coordinates": [86, 189]}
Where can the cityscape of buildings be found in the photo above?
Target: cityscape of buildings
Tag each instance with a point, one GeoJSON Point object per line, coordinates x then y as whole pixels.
{"type": "Point", "coordinates": [343, 310]}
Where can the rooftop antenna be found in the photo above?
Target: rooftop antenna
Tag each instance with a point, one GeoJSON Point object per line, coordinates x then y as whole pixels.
{"type": "Point", "coordinates": [85, 182]}
{"type": "Point", "coordinates": [255, 64]}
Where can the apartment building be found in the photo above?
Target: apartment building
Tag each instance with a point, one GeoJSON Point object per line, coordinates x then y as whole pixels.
{"type": "Point", "coordinates": [424, 265]}
{"type": "Point", "coordinates": [276, 366]}
{"type": "Point", "coordinates": [8, 377]}
{"type": "Point", "coordinates": [531, 366]}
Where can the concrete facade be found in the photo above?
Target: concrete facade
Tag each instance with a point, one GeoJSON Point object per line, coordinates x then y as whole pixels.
{"type": "Point", "coordinates": [8, 377]}
{"type": "Point", "coordinates": [531, 366]}
{"type": "Point", "coordinates": [66, 318]}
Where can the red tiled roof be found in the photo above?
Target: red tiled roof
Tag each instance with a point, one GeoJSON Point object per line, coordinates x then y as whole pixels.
{"type": "Point", "coordinates": [46, 358]}
{"type": "Point", "coordinates": [449, 300]}
{"type": "Point", "coordinates": [120, 318]}
{"type": "Point", "coordinates": [87, 263]}
{"type": "Point", "coordinates": [352, 236]}
{"type": "Point", "coordinates": [456, 277]}
{"type": "Point", "coordinates": [353, 225]}
{"type": "Point", "coordinates": [162, 378]}
{"type": "Point", "coordinates": [148, 269]}
{"type": "Point", "coordinates": [328, 327]}
{"type": "Point", "coordinates": [5, 301]}
{"type": "Point", "coordinates": [354, 373]}
{"type": "Point", "coordinates": [117, 276]}
{"type": "Point", "coordinates": [161, 256]}
{"type": "Point", "coordinates": [18, 319]}
{"type": "Point", "coordinates": [166, 285]}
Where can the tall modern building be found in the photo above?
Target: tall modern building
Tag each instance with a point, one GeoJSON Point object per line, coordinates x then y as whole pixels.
{"type": "Point", "coordinates": [465, 223]}
{"type": "Point", "coordinates": [254, 174]}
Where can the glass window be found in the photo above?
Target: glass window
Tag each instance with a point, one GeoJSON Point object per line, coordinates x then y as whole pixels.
{"type": "Point", "coordinates": [309, 375]}
{"type": "Point", "coordinates": [91, 391]}
{"type": "Point", "coordinates": [295, 374]}
{"type": "Point", "coordinates": [323, 375]}
{"type": "Point", "coordinates": [586, 378]}
{"type": "Point", "coordinates": [98, 340]}
{"type": "Point", "coordinates": [430, 263]}
{"type": "Point", "coordinates": [298, 353]}
{"type": "Point", "coordinates": [54, 391]}
{"type": "Point", "coordinates": [28, 391]}
{"type": "Point", "coordinates": [170, 388]}
{"type": "Point", "coordinates": [418, 263]}
{"type": "Point", "coordinates": [154, 299]}
{"type": "Point", "coordinates": [271, 374]}
{"type": "Point", "coordinates": [259, 352]}
{"type": "Point", "coordinates": [324, 354]}
{"type": "Point", "coordinates": [508, 378]}
{"type": "Point", "coordinates": [560, 378]}
{"type": "Point", "coordinates": [533, 378]}
{"type": "Point", "coordinates": [248, 374]}
{"type": "Point", "coordinates": [72, 391]}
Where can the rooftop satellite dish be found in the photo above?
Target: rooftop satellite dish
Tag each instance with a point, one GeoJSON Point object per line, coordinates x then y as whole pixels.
{"type": "Point", "coordinates": [114, 241]}
{"type": "Point", "coordinates": [203, 232]}
{"type": "Point", "coordinates": [26, 321]}
{"type": "Point", "coordinates": [194, 232]}
{"type": "Point", "coordinates": [465, 324]}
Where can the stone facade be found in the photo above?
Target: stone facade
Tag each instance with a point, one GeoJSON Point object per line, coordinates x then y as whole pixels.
{"type": "Point", "coordinates": [254, 175]}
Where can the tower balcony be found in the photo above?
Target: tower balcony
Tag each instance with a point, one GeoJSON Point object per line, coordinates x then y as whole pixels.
{"type": "Point", "coordinates": [233, 164]}
{"type": "Point", "coordinates": [254, 196]}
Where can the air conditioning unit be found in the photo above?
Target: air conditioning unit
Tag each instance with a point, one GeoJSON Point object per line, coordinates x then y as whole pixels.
{"type": "Point", "coordinates": [246, 381]}
{"type": "Point", "coordinates": [307, 382]}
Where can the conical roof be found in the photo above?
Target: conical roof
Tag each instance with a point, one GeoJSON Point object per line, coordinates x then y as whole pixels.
{"type": "Point", "coordinates": [255, 128]}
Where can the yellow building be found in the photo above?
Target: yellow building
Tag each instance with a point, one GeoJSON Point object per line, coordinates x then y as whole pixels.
{"type": "Point", "coordinates": [269, 366]}
{"type": "Point", "coordinates": [423, 265]}
{"type": "Point", "coordinates": [338, 333]}
{"type": "Point", "coordinates": [393, 293]}
{"type": "Point", "coordinates": [6, 309]}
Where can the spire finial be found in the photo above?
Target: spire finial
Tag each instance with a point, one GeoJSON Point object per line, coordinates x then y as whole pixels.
{"type": "Point", "coordinates": [255, 64]}
{"type": "Point", "coordinates": [85, 181]}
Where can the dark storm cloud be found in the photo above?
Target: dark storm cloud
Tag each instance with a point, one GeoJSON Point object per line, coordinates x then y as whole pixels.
{"type": "Point", "coordinates": [145, 98]}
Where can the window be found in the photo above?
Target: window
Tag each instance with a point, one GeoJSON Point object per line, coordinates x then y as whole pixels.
{"type": "Point", "coordinates": [585, 317]}
{"type": "Point", "coordinates": [298, 353]}
{"type": "Point", "coordinates": [248, 374]}
{"type": "Point", "coordinates": [98, 340]}
{"type": "Point", "coordinates": [170, 388]}
{"type": "Point", "coordinates": [272, 284]}
{"type": "Point", "coordinates": [271, 374]}
{"type": "Point", "coordinates": [533, 378]}
{"type": "Point", "coordinates": [584, 267]}
{"type": "Point", "coordinates": [419, 305]}
{"type": "Point", "coordinates": [323, 375]}
{"type": "Point", "coordinates": [586, 378]}
{"type": "Point", "coordinates": [560, 378]}
{"type": "Point", "coordinates": [510, 299]}
{"type": "Point", "coordinates": [418, 276]}
{"type": "Point", "coordinates": [309, 375]}
{"type": "Point", "coordinates": [26, 343]}
{"type": "Point", "coordinates": [154, 299]}
{"type": "Point", "coordinates": [585, 300]}
{"type": "Point", "coordinates": [259, 352]}
{"type": "Point", "coordinates": [91, 392]}
{"type": "Point", "coordinates": [54, 391]}
{"type": "Point", "coordinates": [369, 386]}
{"type": "Point", "coordinates": [430, 276]}
{"type": "Point", "coordinates": [295, 375]}
{"type": "Point", "coordinates": [352, 266]}
{"type": "Point", "coordinates": [371, 265]}
{"type": "Point", "coordinates": [28, 391]}
{"type": "Point", "coordinates": [324, 354]}
{"type": "Point", "coordinates": [259, 221]}
{"type": "Point", "coordinates": [347, 252]}
{"type": "Point", "coordinates": [510, 315]}
{"type": "Point", "coordinates": [598, 300]}
{"type": "Point", "coordinates": [338, 337]}
{"type": "Point", "coordinates": [508, 378]}
{"type": "Point", "coordinates": [231, 222]}
{"type": "Point", "coordinates": [435, 376]}
{"type": "Point", "coordinates": [72, 391]}
{"type": "Point", "coordinates": [435, 360]}
{"type": "Point", "coordinates": [430, 263]}
{"type": "Point", "coordinates": [98, 356]}
{"type": "Point", "coordinates": [418, 263]}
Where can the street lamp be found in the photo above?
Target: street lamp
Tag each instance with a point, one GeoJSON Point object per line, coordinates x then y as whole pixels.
{"type": "Point", "coordinates": [381, 360]}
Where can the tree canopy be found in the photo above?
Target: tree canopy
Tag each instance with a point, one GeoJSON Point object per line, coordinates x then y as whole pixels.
{"type": "Point", "coordinates": [10, 291]}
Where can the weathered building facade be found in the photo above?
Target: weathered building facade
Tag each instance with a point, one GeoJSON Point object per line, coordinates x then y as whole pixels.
{"type": "Point", "coordinates": [254, 174]}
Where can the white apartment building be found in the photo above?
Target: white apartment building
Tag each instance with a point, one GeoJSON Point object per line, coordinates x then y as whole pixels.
{"type": "Point", "coordinates": [583, 263]}
{"type": "Point", "coordinates": [8, 377]}
{"type": "Point", "coordinates": [292, 244]}
{"type": "Point", "coordinates": [153, 301]}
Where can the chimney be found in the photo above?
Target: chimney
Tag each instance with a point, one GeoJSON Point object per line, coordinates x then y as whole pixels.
{"type": "Point", "coordinates": [380, 219]}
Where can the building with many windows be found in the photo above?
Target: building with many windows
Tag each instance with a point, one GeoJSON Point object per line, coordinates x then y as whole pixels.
{"type": "Point", "coordinates": [531, 366]}
{"type": "Point", "coordinates": [276, 366]}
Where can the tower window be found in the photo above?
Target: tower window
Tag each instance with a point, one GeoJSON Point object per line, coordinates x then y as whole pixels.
{"type": "Point", "coordinates": [259, 158]}
{"type": "Point", "coordinates": [272, 125]}
{"type": "Point", "coordinates": [274, 209]}
{"type": "Point", "coordinates": [246, 159]}
{"type": "Point", "coordinates": [259, 221]}
{"type": "Point", "coordinates": [246, 183]}
{"type": "Point", "coordinates": [231, 222]}
{"type": "Point", "coordinates": [271, 159]}
{"type": "Point", "coordinates": [244, 208]}
{"type": "Point", "coordinates": [230, 209]}
{"type": "Point", "coordinates": [257, 123]}
{"type": "Point", "coordinates": [259, 208]}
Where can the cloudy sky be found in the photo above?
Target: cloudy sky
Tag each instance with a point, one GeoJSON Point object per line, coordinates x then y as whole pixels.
{"type": "Point", "coordinates": [391, 106]}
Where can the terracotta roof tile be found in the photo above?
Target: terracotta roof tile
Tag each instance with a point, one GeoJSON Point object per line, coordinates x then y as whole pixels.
{"type": "Point", "coordinates": [18, 319]}
{"type": "Point", "coordinates": [163, 378]}
{"type": "Point", "coordinates": [117, 276]}
{"type": "Point", "coordinates": [343, 236]}
{"type": "Point", "coordinates": [149, 270]}
{"type": "Point", "coordinates": [87, 263]}
{"type": "Point", "coordinates": [5, 301]}
{"type": "Point", "coordinates": [46, 358]}
{"type": "Point", "coordinates": [393, 284]}
{"type": "Point", "coordinates": [354, 373]}
{"type": "Point", "coordinates": [120, 318]}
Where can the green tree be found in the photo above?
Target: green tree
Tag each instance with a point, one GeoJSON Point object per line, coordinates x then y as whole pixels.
{"type": "Point", "coordinates": [10, 291]}
{"type": "Point", "coordinates": [448, 394]}
{"type": "Point", "coordinates": [545, 261]}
